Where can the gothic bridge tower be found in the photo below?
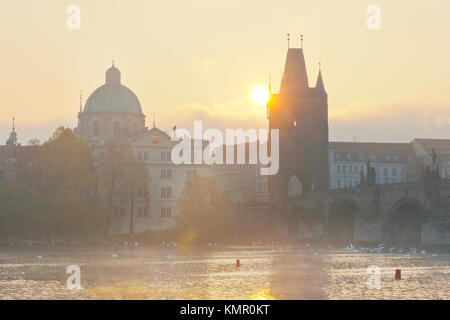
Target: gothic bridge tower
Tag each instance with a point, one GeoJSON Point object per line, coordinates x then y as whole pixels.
{"type": "Point", "coordinates": [300, 113]}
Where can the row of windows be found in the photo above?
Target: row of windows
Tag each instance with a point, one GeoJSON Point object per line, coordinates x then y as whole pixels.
{"type": "Point", "coordinates": [167, 174]}
{"type": "Point", "coordinates": [229, 180]}
{"type": "Point", "coordinates": [442, 151]}
{"type": "Point", "coordinates": [262, 188]}
{"type": "Point", "coordinates": [166, 156]}
{"type": "Point", "coordinates": [371, 157]}
{"type": "Point", "coordinates": [348, 183]}
{"type": "Point", "coordinates": [144, 212]}
{"type": "Point", "coordinates": [166, 192]}
{"type": "Point", "coordinates": [353, 169]}
{"type": "Point", "coordinates": [116, 128]}
{"type": "Point", "coordinates": [234, 166]}
{"type": "Point", "coordinates": [144, 155]}
{"type": "Point", "coordinates": [350, 169]}
{"type": "Point", "coordinates": [342, 183]}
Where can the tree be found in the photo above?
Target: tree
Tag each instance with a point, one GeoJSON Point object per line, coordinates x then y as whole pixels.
{"type": "Point", "coordinates": [136, 178]}
{"type": "Point", "coordinates": [111, 162]}
{"type": "Point", "coordinates": [63, 162]}
{"type": "Point", "coordinates": [204, 210]}
{"type": "Point", "coordinates": [51, 194]}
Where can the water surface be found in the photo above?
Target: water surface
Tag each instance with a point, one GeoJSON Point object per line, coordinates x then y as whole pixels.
{"type": "Point", "coordinates": [270, 272]}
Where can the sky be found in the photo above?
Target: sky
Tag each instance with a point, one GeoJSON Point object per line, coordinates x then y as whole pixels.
{"type": "Point", "coordinates": [192, 60]}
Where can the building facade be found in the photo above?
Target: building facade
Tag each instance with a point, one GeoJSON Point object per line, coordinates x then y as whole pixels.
{"type": "Point", "coordinates": [114, 111]}
{"type": "Point", "coordinates": [155, 208]}
{"type": "Point", "coordinates": [393, 163]}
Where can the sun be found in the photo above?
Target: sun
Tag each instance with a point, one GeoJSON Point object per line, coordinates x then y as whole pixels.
{"type": "Point", "coordinates": [260, 96]}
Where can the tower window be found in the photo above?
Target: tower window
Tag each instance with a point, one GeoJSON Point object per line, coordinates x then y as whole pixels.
{"type": "Point", "coordinates": [96, 129]}
{"type": "Point", "coordinates": [295, 123]}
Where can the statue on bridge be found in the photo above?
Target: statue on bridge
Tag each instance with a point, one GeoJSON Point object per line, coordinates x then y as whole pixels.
{"type": "Point", "coordinates": [370, 178]}
{"type": "Point", "coordinates": [436, 187]}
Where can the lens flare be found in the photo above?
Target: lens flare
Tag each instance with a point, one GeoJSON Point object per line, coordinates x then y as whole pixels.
{"type": "Point", "coordinates": [260, 96]}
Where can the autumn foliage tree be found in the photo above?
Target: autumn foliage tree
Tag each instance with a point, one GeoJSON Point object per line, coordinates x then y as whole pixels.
{"type": "Point", "coordinates": [119, 175]}
{"type": "Point", "coordinates": [204, 210]}
{"type": "Point", "coordinates": [51, 194]}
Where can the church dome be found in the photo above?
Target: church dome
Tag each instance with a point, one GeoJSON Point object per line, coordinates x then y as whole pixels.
{"type": "Point", "coordinates": [113, 96]}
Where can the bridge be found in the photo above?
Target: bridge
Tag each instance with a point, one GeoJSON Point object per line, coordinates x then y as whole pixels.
{"type": "Point", "coordinates": [402, 214]}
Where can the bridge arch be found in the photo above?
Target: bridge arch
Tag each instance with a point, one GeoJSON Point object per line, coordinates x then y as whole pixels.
{"type": "Point", "coordinates": [403, 225]}
{"type": "Point", "coordinates": [341, 220]}
{"type": "Point", "coordinates": [307, 223]}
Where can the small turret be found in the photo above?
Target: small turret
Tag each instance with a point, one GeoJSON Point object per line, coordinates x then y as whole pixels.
{"type": "Point", "coordinates": [319, 84]}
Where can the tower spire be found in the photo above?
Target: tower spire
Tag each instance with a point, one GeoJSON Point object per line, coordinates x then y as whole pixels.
{"type": "Point", "coordinates": [301, 41]}
{"type": "Point", "coordinates": [288, 39]}
{"type": "Point", "coordinates": [81, 101]}
{"type": "Point", "coordinates": [154, 120]}
{"type": "Point", "coordinates": [295, 78]}
{"type": "Point", "coordinates": [12, 140]}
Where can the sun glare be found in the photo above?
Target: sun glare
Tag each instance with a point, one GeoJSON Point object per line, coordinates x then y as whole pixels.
{"type": "Point", "coordinates": [260, 96]}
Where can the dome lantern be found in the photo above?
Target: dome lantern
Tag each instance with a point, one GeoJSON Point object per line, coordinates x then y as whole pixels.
{"type": "Point", "coordinates": [112, 75]}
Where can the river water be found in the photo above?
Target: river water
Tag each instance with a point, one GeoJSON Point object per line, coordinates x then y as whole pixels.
{"type": "Point", "coordinates": [269, 272]}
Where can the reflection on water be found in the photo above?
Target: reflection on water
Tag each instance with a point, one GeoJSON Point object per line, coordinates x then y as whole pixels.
{"type": "Point", "coordinates": [211, 273]}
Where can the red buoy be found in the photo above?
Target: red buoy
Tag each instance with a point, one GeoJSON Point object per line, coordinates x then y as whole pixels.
{"type": "Point", "coordinates": [398, 274]}
{"type": "Point", "coordinates": [238, 263]}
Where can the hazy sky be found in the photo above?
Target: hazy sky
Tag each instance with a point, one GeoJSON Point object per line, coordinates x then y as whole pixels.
{"type": "Point", "coordinates": [200, 60]}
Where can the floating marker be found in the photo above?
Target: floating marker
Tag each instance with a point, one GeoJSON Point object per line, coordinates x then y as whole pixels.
{"type": "Point", "coordinates": [398, 274]}
{"type": "Point", "coordinates": [238, 263]}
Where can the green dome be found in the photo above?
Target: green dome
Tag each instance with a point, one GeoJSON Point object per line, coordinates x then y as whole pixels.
{"type": "Point", "coordinates": [113, 96]}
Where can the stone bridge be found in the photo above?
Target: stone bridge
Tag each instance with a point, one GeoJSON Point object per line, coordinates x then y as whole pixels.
{"type": "Point", "coordinates": [405, 214]}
